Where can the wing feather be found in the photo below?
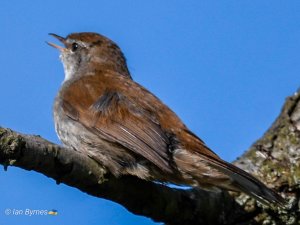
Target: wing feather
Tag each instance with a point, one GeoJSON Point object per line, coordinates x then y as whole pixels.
{"type": "Point", "coordinates": [117, 118]}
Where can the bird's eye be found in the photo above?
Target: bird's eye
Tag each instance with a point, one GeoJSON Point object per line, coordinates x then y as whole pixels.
{"type": "Point", "coordinates": [74, 46]}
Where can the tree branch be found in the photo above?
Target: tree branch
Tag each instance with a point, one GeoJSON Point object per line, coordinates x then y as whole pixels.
{"type": "Point", "coordinates": [275, 159]}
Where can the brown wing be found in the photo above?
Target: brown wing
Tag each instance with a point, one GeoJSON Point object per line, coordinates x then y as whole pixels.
{"type": "Point", "coordinates": [132, 129]}
{"type": "Point", "coordinates": [121, 111]}
{"type": "Point", "coordinates": [115, 117]}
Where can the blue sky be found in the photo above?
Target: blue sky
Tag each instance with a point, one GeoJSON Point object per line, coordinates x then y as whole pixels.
{"type": "Point", "coordinates": [225, 67]}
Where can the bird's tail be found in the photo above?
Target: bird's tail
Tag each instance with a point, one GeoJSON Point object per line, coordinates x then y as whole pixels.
{"type": "Point", "coordinates": [210, 172]}
{"type": "Point", "coordinates": [243, 181]}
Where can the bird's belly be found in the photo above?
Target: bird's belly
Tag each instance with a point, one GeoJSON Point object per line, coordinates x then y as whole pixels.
{"type": "Point", "coordinates": [114, 157]}
{"type": "Point", "coordinates": [73, 134]}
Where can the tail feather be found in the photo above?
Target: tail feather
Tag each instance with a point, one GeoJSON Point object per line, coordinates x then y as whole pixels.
{"type": "Point", "coordinates": [246, 183]}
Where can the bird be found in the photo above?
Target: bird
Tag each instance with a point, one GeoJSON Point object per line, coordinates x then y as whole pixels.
{"type": "Point", "coordinates": [100, 111]}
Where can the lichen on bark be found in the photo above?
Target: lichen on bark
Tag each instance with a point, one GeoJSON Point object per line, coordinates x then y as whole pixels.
{"type": "Point", "coordinates": [275, 159]}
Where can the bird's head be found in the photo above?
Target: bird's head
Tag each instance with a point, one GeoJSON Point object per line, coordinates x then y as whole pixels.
{"type": "Point", "coordinates": [86, 52]}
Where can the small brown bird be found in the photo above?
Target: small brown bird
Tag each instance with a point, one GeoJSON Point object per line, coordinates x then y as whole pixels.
{"type": "Point", "coordinates": [101, 112]}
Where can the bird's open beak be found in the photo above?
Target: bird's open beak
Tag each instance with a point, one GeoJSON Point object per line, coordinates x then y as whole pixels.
{"type": "Point", "coordinates": [61, 39]}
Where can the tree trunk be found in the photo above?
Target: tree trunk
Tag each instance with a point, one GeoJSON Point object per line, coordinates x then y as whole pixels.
{"type": "Point", "coordinates": [274, 159]}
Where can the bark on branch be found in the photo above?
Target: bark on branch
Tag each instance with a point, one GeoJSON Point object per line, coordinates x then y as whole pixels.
{"type": "Point", "coordinates": [275, 159]}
